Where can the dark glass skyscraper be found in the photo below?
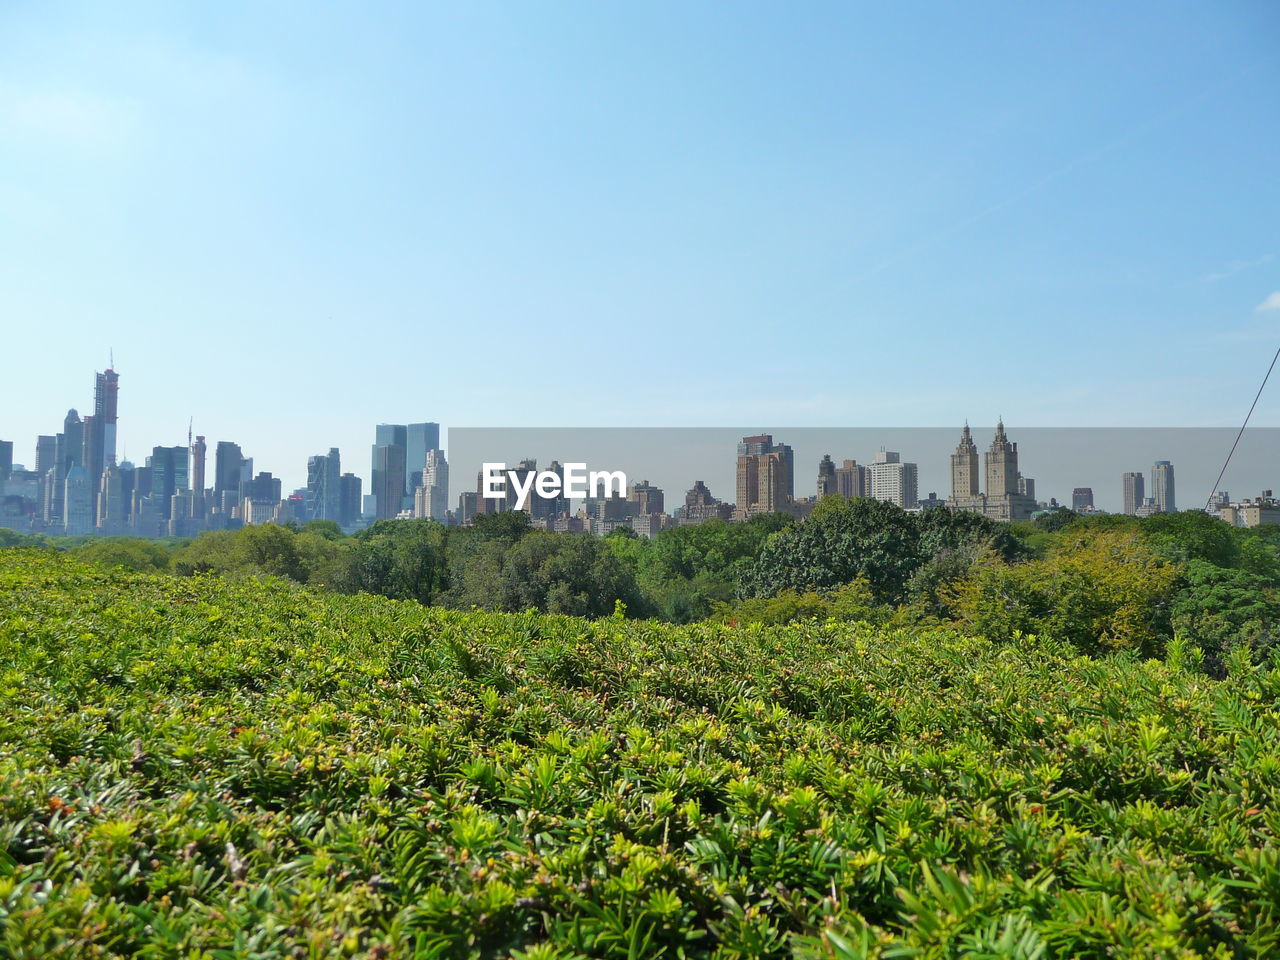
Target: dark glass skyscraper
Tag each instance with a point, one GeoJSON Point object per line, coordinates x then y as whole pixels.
{"type": "Point", "coordinates": [419, 439]}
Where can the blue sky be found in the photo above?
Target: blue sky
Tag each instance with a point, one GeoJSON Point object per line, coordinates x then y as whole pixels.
{"type": "Point", "coordinates": [293, 221]}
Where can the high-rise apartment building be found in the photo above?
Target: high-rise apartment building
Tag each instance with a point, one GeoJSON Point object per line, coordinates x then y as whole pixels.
{"type": "Point", "coordinates": [1134, 492]}
{"type": "Point", "coordinates": [199, 453]}
{"type": "Point", "coordinates": [1162, 492]}
{"type": "Point", "coordinates": [1082, 499]}
{"type": "Point", "coordinates": [826, 476]}
{"type": "Point", "coordinates": [647, 498]}
{"type": "Point", "coordinates": [894, 481]}
{"type": "Point", "coordinates": [6, 459]}
{"type": "Point", "coordinates": [1009, 495]}
{"type": "Point", "coordinates": [852, 480]}
{"type": "Point", "coordinates": [765, 475]}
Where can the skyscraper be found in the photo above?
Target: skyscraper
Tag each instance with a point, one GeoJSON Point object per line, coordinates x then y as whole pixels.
{"type": "Point", "coordinates": [1082, 499]}
{"type": "Point", "coordinates": [1001, 462]}
{"type": "Point", "coordinates": [76, 502]}
{"type": "Point", "coordinates": [46, 454]}
{"type": "Point", "coordinates": [6, 459]}
{"type": "Point", "coordinates": [1162, 486]}
{"type": "Point", "coordinates": [169, 466]}
{"type": "Point", "coordinates": [852, 480]}
{"type": "Point", "coordinates": [324, 487]}
{"type": "Point", "coordinates": [419, 439]}
{"type": "Point", "coordinates": [1008, 496]}
{"type": "Point", "coordinates": [111, 514]}
{"type": "Point", "coordinates": [199, 451]}
{"type": "Point", "coordinates": [391, 452]}
{"type": "Point", "coordinates": [826, 476]}
{"type": "Point", "coordinates": [435, 482]}
{"type": "Point", "coordinates": [765, 475]}
{"type": "Point", "coordinates": [349, 500]}
{"type": "Point", "coordinates": [1134, 492]}
{"type": "Point", "coordinates": [388, 478]}
{"type": "Point", "coordinates": [964, 469]}
{"type": "Point", "coordinates": [227, 460]}
{"type": "Point", "coordinates": [100, 430]}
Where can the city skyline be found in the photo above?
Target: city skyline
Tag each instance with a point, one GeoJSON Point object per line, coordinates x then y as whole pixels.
{"type": "Point", "coordinates": [80, 484]}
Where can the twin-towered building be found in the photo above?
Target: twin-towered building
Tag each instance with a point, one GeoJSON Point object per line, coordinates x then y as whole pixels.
{"type": "Point", "coordinates": [1009, 495]}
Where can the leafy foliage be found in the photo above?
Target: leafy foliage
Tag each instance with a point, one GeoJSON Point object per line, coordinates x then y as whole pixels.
{"type": "Point", "coordinates": [220, 767]}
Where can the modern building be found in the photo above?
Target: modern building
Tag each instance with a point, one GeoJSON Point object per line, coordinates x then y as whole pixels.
{"type": "Point", "coordinates": [199, 456]}
{"type": "Point", "coordinates": [390, 468]}
{"type": "Point", "coordinates": [228, 459]}
{"type": "Point", "coordinates": [77, 502]}
{"type": "Point", "coordinates": [1082, 499]}
{"type": "Point", "coordinates": [420, 438]}
{"type": "Point", "coordinates": [893, 480]}
{"type": "Point", "coordinates": [111, 519]}
{"type": "Point", "coordinates": [1162, 486]}
{"type": "Point", "coordinates": [349, 500]}
{"type": "Point", "coordinates": [1134, 492]}
{"type": "Point", "coordinates": [322, 499]}
{"type": "Point", "coordinates": [6, 459]}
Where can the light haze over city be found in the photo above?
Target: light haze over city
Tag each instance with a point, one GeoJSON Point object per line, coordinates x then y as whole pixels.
{"type": "Point", "coordinates": [294, 222]}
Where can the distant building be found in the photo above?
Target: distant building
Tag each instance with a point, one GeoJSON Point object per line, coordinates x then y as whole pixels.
{"type": "Point", "coordinates": [323, 497]}
{"type": "Point", "coordinates": [1162, 486]}
{"type": "Point", "coordinates": [1252, 513]}
{"type": "Point", "coordinates": [6, 459]}
{"type": "Point", "coordinates": [349, 500]}
{"type": "Point", "coordinates": [1009, 495]}
{"type": "Point", "coordinates": [1134, 492]}
{"type": "Point", "coordinates": [765, 475]}
{"type": "Point", "coordinates": [700, 505]}
{"type": "Point", "coordinates": [1082, 499]}
{"type": "Point", "coordinates": [852, 480]}
{"type": "Point", "coordinates": [227, 461]}
{"type": "Point", "coordinates": [390, 468]}
{"type": "Point", "coordinates": [894, 481]}
{"type": "Point", "coordinates": [420, 439]}
{"type": "Point", "coordinates": [431, 499]}
{"type": "Point", "coordinates": [388, 477]}
{"type": "Point", "coordinates": [78, 502]}
{"type": "Point", "coordinates": [647, 498]}
{"type": "Point", "coordinates": [826, 476]}
{"type": "Point", "coordinates": [466, 506]}
{"type": "Point", "coordinates": [111, 518]}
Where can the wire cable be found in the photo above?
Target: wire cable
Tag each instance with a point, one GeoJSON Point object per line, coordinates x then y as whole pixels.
{"type": "Point", "coordinates": [1227, 462]}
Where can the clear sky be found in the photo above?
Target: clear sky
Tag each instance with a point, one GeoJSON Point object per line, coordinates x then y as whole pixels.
{"type": "Point", "coordinates": [294, 220]}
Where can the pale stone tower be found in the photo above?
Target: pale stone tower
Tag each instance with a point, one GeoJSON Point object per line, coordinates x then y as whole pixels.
{"type": "Point", "coordinates": [964, 469]}
{"type": "Point", "coordinates": [1002, 465]}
